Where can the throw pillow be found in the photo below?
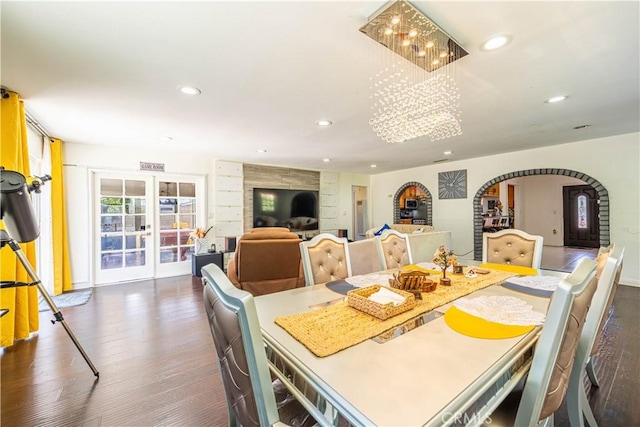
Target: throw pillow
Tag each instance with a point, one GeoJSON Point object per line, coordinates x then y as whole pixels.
{"type": "Point", "coordinates": [379, 232]}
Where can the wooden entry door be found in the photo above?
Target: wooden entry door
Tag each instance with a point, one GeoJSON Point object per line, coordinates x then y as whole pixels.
{"type": "Point", "coordinates": [581, 222]}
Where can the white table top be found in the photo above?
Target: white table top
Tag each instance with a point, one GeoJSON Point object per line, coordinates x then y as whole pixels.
{"type": "Point", "coordinates": [407, 381]}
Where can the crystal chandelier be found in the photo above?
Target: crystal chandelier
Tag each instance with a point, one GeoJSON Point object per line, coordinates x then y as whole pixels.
{"type": "Point", "coordinates": [415, 92]}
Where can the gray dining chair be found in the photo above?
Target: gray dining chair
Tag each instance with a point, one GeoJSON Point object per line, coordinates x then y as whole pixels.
{"type": "Point", "coordinates": [609, 277]}
{"type": "Point", "coordinates": [325, 258]}
{"type": "Point", "coordinates": [251, 398]}
{"type": "Point", "coordinates": [512, 246]}
{"type": "Point", "coordinates": [546, 384]}
{"type": "Point", "coordinates": [394, 250]}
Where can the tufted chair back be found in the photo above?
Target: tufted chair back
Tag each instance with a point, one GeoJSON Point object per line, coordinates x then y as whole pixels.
{"type": "Point", "coordinates": [325, 258]}
{"type": "Point", "coordinates": [548, 379]}
{"type": "Point", "coordinates": [512, 247]}
{"type": "Point", "coordinates": [616, 254]}
{"type": "Point", "coordinates": [394, 250]}
{"type": "Point", "coordinates": [237, 338]}
{"type": "Point", "coordinates": [608, 274]}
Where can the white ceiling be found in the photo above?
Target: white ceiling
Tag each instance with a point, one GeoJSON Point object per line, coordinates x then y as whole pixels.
{"type": "Point", "coordinates": [107, 72]}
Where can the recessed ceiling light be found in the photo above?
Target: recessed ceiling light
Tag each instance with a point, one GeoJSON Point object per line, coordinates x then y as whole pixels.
{"type": "Point", "coordinates": [556, 99]}
{"type": "Point", "coordinates": [374, 166]}
{"type": "Point", "coordinates": [326, 160]}
{"type": "Point", "coordinates": [261, 151]}
{"type": "Point", "coordinates": [189, 90]}
{"type": "Point", "coordinates": [166, 138]}
{"type": "Point", "coordinates": [448, 153]}
{"type": "Point", "coordinates": [496, 42]}
{"type": "Point", "coordinates": [324, 122]}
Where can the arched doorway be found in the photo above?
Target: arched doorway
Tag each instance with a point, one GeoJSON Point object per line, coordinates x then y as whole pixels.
{"type": "Point", "coordinates": [424, 204]}
{"type": "Point", "coordinates": [603, 196]}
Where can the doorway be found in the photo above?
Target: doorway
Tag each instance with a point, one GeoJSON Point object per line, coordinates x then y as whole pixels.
{"type": "Point", "coordinates": [602, 194]}
{"type": "Point", "coordinates": [360, 223]}
{"type": "Point", "coordinates": [123, 227]}
{"type": "Point", "coordinates": [580, 211]}
{"type": "Point", "coordinates": [142, 224]}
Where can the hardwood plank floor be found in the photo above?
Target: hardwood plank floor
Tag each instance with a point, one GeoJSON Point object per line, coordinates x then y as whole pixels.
{"type": "Point", "coordinates": [151, 343]}
{"type": "Point", "coordinates": [564, 258]}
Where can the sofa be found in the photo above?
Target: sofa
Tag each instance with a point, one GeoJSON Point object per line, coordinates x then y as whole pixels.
{"type": "Point", "coordinates": [267, 260]}
{"type": "Point", "coordinates": [401, 228]}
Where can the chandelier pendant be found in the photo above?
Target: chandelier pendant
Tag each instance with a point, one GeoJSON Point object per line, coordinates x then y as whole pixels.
{"type": "Point", "coordinates": [415, 92]}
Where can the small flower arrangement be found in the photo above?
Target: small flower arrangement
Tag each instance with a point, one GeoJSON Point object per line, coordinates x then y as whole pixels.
{"type": "Point", "coordinates": [199, 233]}
{"type": "Point", "coordinates": [443, 258]}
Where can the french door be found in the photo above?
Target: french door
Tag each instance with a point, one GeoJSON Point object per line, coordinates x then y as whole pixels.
{"type": "Point", "coordinates": [143, 223]}
{"type": "Point", "coordinates": [124, 223]}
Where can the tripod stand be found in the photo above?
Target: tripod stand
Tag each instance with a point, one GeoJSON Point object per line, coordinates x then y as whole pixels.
{"type": "Point", "coordinates": [5, 239]}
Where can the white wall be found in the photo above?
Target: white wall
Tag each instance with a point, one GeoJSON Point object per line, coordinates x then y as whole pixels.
{"type": "Point", "coordinates": [81, 159]}
{"type": "Point", "coordinates": [541, 198]}
{"type": "Point", "coordinates": [613, 161]}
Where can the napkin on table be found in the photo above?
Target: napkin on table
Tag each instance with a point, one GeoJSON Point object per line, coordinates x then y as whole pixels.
{"type": "Point", "coordinates": [385, 296]}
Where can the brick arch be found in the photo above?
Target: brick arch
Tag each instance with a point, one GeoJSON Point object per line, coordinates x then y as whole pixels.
{"type": "Point", "coordinates": [603, 196]}
{"type": "Point", "coordinates": [396, 198]}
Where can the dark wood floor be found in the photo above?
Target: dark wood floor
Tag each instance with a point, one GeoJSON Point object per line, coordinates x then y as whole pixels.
{"type": "Point", "coordinates": [151, 343]}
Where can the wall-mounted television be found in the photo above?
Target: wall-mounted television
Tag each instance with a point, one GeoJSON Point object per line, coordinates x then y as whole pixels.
{"type": "Point", "coordinates": [295, 209]}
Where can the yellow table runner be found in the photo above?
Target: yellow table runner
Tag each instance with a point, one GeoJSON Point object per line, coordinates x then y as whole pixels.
{"type": "Point", "coordinates": [329, 330]}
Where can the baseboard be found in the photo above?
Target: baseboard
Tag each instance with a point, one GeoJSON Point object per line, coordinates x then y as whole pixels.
{"type": "Point", "coordinates": [629, 282]}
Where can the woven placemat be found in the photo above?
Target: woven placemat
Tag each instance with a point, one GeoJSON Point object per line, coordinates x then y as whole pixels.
{"type": "Point", "coordinates": [329, 330]}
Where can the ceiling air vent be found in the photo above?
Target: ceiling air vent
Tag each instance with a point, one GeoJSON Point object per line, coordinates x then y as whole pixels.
{"type": "Point", "coordinates": [441, 160]}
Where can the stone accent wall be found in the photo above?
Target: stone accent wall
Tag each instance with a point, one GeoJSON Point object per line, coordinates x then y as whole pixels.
{"type": "Point", "coordinates": [603, 195]}
{"type": "Point", "coordinates": [257, 176]}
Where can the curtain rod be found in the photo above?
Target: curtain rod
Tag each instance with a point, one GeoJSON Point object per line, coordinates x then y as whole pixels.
{"type": "Point", "coordinates": [28, 116]}
{"type": "Point", "coordinates": [36, 125]}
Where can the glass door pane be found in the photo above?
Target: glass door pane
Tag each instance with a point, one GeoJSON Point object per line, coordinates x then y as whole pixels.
{"type": "Point", "coordinates": [181, 209]}
{"type": "Point", "coordinates": [124, 228]}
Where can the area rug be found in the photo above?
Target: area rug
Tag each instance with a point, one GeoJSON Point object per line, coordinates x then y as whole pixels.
{"type": "Point", "coordinates": [68, 299]}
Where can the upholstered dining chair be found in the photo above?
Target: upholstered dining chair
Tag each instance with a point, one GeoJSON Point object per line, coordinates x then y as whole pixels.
{"type": "Point", "coordinates": [512, 246]}
{"type": "Point", "coordinates": [546, 384]}
{"type": "Point", "coordinates": [237, 338]}
{"type": "Point", "coordinates": [325, 258]}
{"type": "Point", "coordinates": [608, 272]}
{"type": "Point", "coordinates": [393, 249]}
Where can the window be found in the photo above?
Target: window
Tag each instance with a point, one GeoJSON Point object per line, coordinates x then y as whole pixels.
{"type": "Point", "coordinates": [582, 211]}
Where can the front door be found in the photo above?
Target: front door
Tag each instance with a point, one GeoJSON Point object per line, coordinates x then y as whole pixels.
{"type": "Point", "coordinates": [124, 222]}
{"type": "Point", "coordinates": [581, 222]}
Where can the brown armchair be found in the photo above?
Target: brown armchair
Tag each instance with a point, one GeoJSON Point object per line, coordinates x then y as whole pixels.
{"type": "Point", "coordinates": [267, 260]}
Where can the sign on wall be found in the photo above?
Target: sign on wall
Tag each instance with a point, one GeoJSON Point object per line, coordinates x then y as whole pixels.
{"type": "Point", "coordinates": [148, 166]}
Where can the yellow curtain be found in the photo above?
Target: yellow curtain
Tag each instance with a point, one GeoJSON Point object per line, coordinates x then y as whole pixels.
{"type": "Point", "coordinates": [22, 301]}
{"type": "Point", "coordinates": [60, 244]}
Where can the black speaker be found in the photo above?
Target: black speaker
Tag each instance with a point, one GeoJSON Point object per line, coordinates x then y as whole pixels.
{"type": "Point", "coordinates": [230, 244]}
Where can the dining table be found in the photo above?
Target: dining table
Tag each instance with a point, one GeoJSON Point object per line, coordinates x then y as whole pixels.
{"type": "Point", "coordinates": [420, 372]}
